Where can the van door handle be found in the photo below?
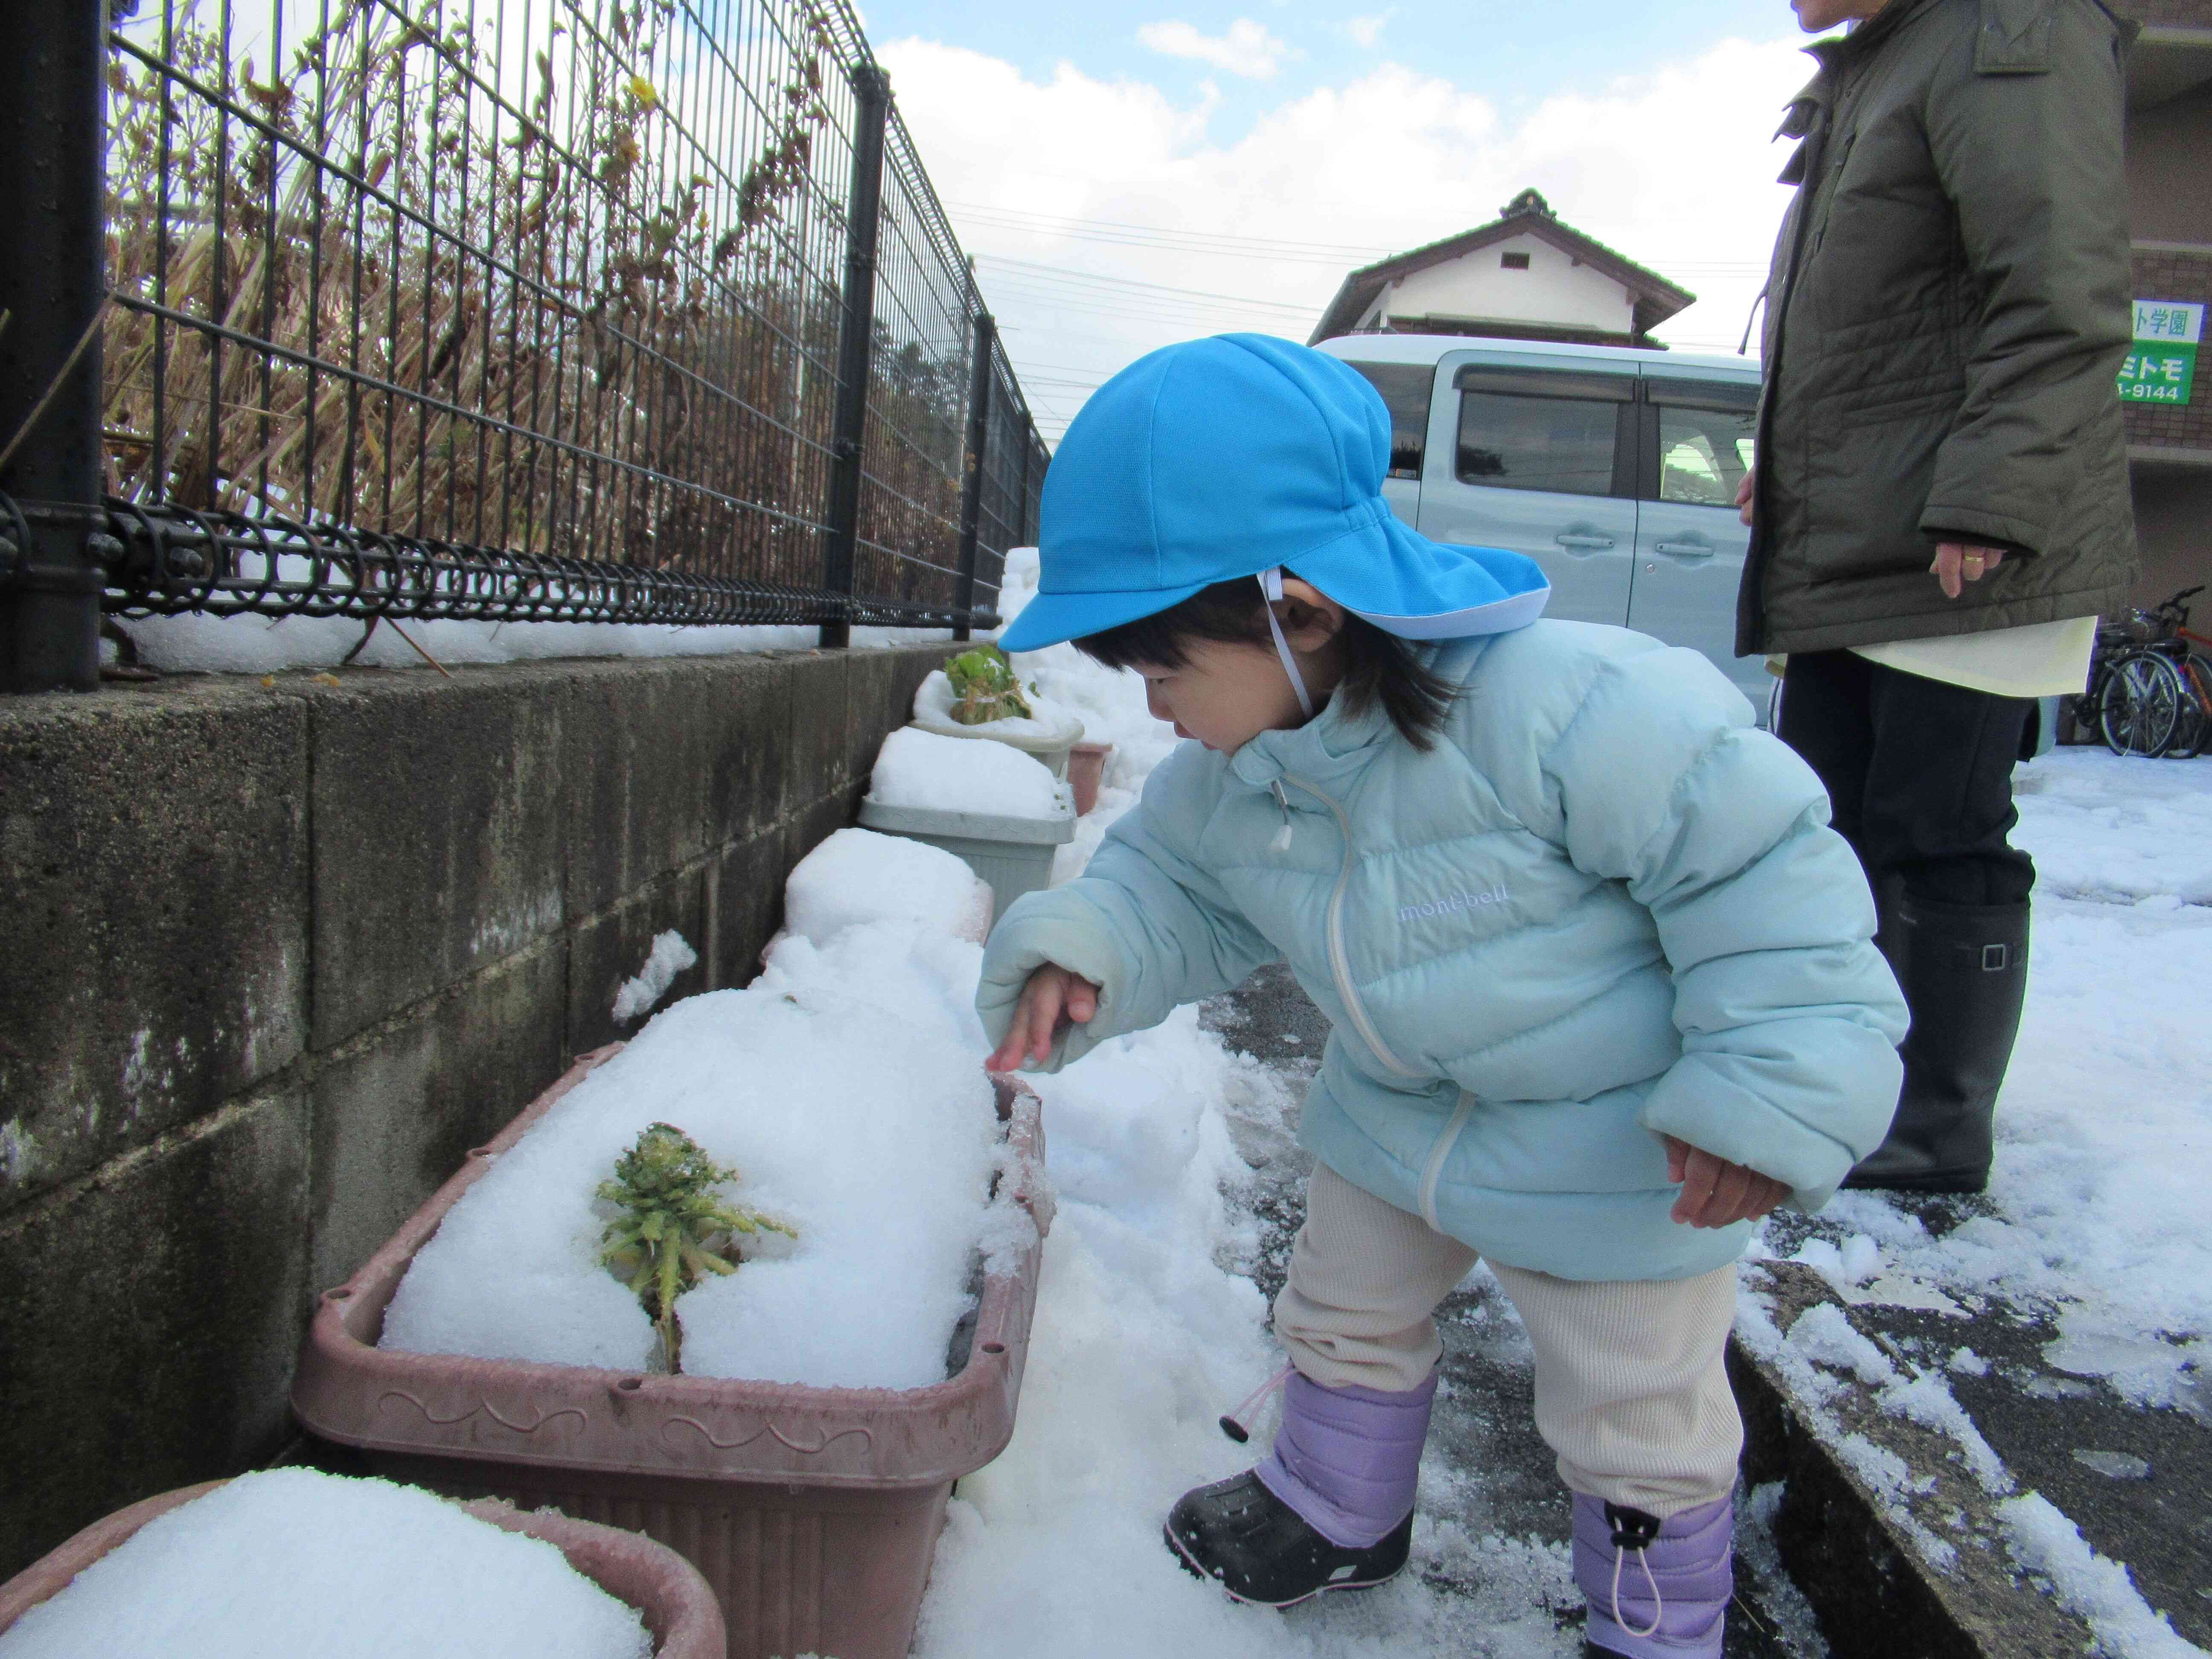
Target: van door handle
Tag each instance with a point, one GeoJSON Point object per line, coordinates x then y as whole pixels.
{"type": "Point", "coordinates": [1580, 538]}
{"type": "Point", "coordinates": [1692, 550]}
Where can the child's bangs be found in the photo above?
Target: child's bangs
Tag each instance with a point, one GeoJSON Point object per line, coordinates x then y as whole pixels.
{"type": "Point", "coordinates": [1227, 610]}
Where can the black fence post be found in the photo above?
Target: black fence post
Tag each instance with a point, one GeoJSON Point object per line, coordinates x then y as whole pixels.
{"type": "Point", "coordinates": [856, 330]}
{"type": "Point", "coordinates": [1028, 537]}
{"type": "Point", "coordinates": [983, 385]}
{"type": "Point", "coordinates": [53, 61]}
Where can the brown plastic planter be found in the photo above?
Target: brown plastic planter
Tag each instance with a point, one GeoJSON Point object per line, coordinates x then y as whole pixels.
{"type": "Point", "coordinates": [1086, 768]}
{"type": "Point", "coordinates": [677, 1606]}
{"type": "Point", "coordinates": [813, 1512]}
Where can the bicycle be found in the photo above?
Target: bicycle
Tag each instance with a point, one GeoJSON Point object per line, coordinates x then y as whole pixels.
{"type": "Point", "coordinates": [2193, 732]}
{"type": "Point", "coordinates": [2151, 692]}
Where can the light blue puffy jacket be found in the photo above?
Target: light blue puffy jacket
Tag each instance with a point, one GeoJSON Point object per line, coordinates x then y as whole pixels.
{"type": "Point", "coordinates": [1604, 907]}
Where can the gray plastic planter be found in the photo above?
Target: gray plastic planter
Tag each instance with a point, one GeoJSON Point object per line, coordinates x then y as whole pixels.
{"type": "Point", "coordinates": [677, 1606]}
{"type": "Point", "coordinates": [1013, 854]}
{"type": "Point", "coordinates": [813, 1512]}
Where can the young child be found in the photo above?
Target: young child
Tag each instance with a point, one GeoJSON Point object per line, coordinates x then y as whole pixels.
{"type": "Point", "coordinates": [1600, 975]}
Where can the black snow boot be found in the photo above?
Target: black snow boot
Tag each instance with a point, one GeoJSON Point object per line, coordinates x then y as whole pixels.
{"type": "Point", "coordinates": [1260, 1550]}
{"type": "Point", "coordinates": [1964, 972]}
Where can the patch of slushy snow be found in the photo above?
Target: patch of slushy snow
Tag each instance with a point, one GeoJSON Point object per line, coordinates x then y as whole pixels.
{"type": "Point", "coordinates": [858, 875]}
{"type": "Point", "coordinates": [290, 1562]}
{"type": "Point", "coordinates": [962, 775]}
{"type": "Point", "coordinates": [2043, 1540]}
{"type": "Point", "coordinates": [846, 1084]}
{"type": "Point", "coordinates": [669, 956]}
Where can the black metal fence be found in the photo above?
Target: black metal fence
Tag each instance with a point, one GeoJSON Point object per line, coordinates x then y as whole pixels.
{"type": "Point", "coordinates": [576, 310]}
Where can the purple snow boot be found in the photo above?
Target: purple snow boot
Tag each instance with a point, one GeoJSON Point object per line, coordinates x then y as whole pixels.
{"type": "Point", "coordinates": [1330, 1509]}
{"type": "Point", "coordinates": [1657, 1590]}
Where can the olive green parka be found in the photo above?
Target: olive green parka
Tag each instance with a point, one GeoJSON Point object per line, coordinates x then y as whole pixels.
{"type": "Point", "coordinates": [1946, 312]}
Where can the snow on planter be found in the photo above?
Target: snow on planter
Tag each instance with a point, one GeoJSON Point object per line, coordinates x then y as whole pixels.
{"type": "Point", "coordinates": [1000, 811]}
{"type": "Point", "coordinates": [844, 1084]}
{"type": "Point", "coordinates": [1048, 733]}
{"type": "Point", "coordinates": [858, 875]}
{"type": "Point", "coordinates": [946, 774]}
{"type": "Point", "coordinates": [290, 1561]}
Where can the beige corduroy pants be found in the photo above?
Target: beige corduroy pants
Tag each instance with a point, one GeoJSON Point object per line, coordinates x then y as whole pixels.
{"type": "Point", "coordinates": [1632, 1390]}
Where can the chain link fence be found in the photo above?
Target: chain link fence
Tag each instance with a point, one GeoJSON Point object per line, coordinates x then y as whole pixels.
{"type": "Point", "coordinates": [582, 310]}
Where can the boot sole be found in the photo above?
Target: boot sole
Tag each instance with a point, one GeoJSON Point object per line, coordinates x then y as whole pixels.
{"type": "Point", "coordinates": [1935, 1185]}
{"type": "Point", "coordinates": [1183, 1558]}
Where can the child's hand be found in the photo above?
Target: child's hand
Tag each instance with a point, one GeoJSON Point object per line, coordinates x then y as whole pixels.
{"type": "Point", "coordinates": [1052, 1000]}
{"type": "Point", "coordinates": [1715, 1191]}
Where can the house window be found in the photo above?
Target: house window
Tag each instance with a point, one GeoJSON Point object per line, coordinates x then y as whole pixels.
{"type": "Point", "coordinates": [1514, 261]}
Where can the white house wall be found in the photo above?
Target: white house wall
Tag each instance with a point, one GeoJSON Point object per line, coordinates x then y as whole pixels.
{"type": "Point", "coordinates": [1553, 289]}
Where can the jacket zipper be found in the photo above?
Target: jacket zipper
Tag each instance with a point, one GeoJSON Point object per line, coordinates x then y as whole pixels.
{"type": "Point", "coordinates": [1437, 1153]}
{"type": "Point", "coordinates": [1339, 963]}
{"type": "Point", "coordinates": [1340, 969]}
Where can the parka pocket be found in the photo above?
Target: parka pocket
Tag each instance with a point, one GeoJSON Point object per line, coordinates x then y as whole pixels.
{"type": "Point", "coordinates": [1901, 408]}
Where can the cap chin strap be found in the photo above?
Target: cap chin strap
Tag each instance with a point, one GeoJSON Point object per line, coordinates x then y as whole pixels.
{"type": "Point", "coordinates": [1271, 585]}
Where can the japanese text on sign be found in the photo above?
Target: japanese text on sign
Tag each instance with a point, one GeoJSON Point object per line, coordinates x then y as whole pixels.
{"type": "Point", "coordinates": [2161, 368]}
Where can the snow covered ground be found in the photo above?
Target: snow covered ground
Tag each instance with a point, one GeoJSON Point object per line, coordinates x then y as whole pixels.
{"type": "Point", "coordinates": [2093, 1227]}
{"type": "Point", "coordinates": [2097, 1207]}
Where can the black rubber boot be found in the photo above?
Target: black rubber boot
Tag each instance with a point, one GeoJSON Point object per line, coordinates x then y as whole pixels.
{"type": "Point", "coordinates": [1964, 972]}
{"type": "Point", "coordinates": [1260, 1550]}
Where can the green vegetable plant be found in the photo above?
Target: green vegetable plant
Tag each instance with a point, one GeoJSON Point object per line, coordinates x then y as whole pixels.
{"type": "Point", "coordinates": [672, 1226]}
{"type": "Point", "coordinates": [984, 687]}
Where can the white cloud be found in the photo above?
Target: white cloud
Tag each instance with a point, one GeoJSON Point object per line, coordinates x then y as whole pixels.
{"type": "Point", "coordinates": [1673, 169]}
{"type": "Point", "coordinates": [1247, 49]}
{"type": "Point", "coordinates": [1365, 31]}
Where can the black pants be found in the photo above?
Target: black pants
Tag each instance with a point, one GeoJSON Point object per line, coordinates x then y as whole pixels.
{"type": "Point", "coordinates": [1919, 774]}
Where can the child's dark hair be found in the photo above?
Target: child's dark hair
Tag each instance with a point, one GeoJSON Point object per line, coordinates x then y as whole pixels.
{"type": "Point", "coordinates": [1378, 667]}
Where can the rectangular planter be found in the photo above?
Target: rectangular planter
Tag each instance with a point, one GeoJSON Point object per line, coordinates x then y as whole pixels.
{"type": "Point", "coordinates": [813, 1512]}
{"type": "Point", "coordinates": [1013, 854]}
{"type": "Point", "coordinates": [677, 1604]}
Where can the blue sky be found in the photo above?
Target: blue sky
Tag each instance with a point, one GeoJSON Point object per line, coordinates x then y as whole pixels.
{"type": "Point", "coordinates": [1129, 177]}
{"type": "Point", "coordinates": [1514, 53]}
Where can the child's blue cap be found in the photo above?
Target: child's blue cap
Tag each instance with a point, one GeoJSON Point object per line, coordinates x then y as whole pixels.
{"type": "Point", "coordinates": [1227, 456]}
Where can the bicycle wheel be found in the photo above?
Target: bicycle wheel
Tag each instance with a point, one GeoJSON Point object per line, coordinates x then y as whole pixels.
{"type": "Point", "coordinates": [2193, 735]}
{"type": "Point", "coordinates": [2140, 707]}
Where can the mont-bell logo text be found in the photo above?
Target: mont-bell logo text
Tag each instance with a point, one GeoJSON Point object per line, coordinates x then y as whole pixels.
{"type": "Point", "coordinates": [1452, 903]}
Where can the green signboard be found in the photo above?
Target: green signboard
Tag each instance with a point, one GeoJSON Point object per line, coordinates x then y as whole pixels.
{"type": "Point", "coordinates": [2162, 366]}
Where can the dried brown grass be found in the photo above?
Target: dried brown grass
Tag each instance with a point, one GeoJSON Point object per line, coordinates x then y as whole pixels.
{"type": "Point", "coordinates": [639, 370]}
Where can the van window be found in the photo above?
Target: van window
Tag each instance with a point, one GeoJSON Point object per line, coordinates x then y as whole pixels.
{"type": "Point", "coordinates": [1405, 388]}
{"type": "Point", "coordinates": [1556, 433]}
{"type": "Point", "coordinates": [1707, 439]}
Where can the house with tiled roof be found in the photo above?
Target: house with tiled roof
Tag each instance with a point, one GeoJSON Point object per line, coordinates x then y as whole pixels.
{"type": "Point", "coordinates": [1525, 275]}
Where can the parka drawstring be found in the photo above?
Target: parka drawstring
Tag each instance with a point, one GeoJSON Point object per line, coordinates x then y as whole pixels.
{"type": "Point", "coordinates": [1281, 843]}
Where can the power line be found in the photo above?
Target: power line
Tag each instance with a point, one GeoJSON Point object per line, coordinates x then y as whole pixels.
{"type": "Point", "coordinates": [1065, 273]}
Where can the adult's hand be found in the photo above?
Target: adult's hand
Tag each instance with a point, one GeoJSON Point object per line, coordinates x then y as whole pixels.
{"type": "Point", "coordinates": [1959, 562]}
{"type": "Point", "coordinates": [1744, 491]}
{"type": "Point", "coordinates": [1053, 999]}
{"type": "Point", "coordinates": [1715, 1191]}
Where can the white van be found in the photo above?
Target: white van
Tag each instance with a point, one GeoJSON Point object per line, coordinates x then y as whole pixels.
{"type": "Point", "coordinates": [1616, 469]}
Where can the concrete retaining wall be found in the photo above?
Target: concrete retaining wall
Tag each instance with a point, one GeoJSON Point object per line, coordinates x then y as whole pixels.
{"type": "Point", "coordinates": [274, 955]}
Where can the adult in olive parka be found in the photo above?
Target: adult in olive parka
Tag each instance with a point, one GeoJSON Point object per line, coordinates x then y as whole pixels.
{"type": "Point", "coordinates": [1940, 505]}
